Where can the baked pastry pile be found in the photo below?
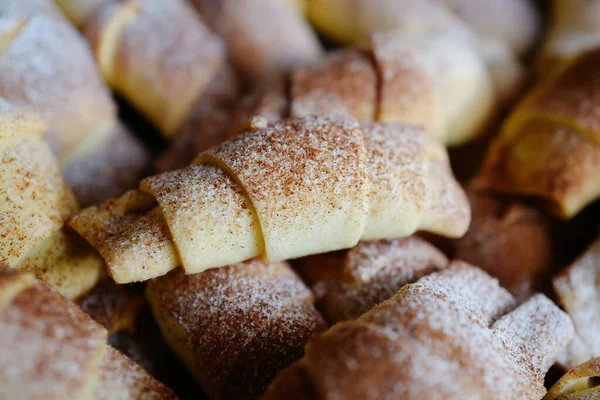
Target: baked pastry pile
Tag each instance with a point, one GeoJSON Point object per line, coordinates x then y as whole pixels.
{"type": "Point", "coordinates": [261, 213]}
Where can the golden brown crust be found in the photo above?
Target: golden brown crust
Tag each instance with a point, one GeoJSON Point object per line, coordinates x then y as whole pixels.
{"type": "Point", "coordinates": [444, 336]}
{"type": "Point", "coordinates": [348, 284]}
{"type": "Point", "coordinates": [580, 383]}
{"type": "Point", "coordinates": [235, 327]}
{"type": "Point", "coordinates": [549, 145]}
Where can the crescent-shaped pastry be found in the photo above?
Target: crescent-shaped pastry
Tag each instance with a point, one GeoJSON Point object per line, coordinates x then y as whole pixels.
{"type": "Point", "coordinates": [549, 146]}
{"type": "Point", "coordinates": [55, 351]}
{"type": "Point", "coordinates": [580, 383]}
{"type": "Point", "coordinates": [450, 335]}
{"type": "Point", "coordinates": [298, 187]}
{"type": "Point", "coordinates": [235, 327]}
{"type": "Point", "coordinates": [349, 283]}
{"type": "Point", "coordinates": [36, 202]}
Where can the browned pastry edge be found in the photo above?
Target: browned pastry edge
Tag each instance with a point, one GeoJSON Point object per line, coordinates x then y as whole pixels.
{"type": "Point", "coordinates": [509, 239]}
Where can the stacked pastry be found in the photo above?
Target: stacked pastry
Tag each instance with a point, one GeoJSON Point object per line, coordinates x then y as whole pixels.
{"type": "Point", "coordinates": [578, 290]}
{"type": "Point", "coordinates": [136, 41]}
{"type": "Point", "coordinates": [52, 350]}
{"type": "Point", "coordinates": [428, 79]}
{"type": "Point", "coordinates": [451, 335]}
{"type": "Point", "coordinates": [548, 146]}
{"type": "Point", "coordinates": [291, 189]}
{"type": "Point", "coordinates": [36, 204]}
{"type": "Point", "coordinates": [45, 65]}
{"type": "Point", "coordinates": [324, 165]}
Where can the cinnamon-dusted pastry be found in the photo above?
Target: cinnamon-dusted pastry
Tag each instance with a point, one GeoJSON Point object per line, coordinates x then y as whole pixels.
{"type": "Point", "coordinates": [235, 327]}
{"type": "Point", "coordinates": [580, 383]}
{"type": "Point", "coordinates": [427, 79]}
{"type": "Point", "coordinates": [549, 146]}
{"type": "Point", "coordinates": [349, 283]}
{"type": "Point", "coordinates": [299, 187]}
{"type": "Point", "coordinates": [448, 336]}
{"type": "Point", "coordinates": [578, 291]}
{"type": "Point", "coordinates": [264, 38]}
{"type": "Point", "coordinates": [53, 350]}
{"type": "Point", "coordinates": [157, 54]}
{"type": "Point", "coordinates": [35, 204]}
{"type": "Point", "coordinates": [46, 66]}
{"type": "Point", "coordinates": [574, 29]}
{"type": "Point", "coordinates": [509, 240]}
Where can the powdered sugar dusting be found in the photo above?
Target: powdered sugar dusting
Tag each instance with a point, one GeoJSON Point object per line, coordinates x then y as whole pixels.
{"type": "Point", "coordinates": [49, 67]}
{"type": "Point", "coordinates": [343, 83]}
{"type": "Point", "coordinates": [230, 315]}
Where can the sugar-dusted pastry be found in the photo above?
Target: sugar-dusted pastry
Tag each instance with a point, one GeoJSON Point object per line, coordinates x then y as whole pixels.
{"type": "Point", "coordinates": [45, 65]}
{"type": "Point", "coordinates": [349, 283]}
{"type": "Point", "coordinates": [574, 29]}
{"type": "Point", "coordinates": [353, 21]}
{"type": "Point", "coordinates": [550, 145]}
{"type": "Point", "coordinates": [428, 79]}
{"type": "Point", "coordinates": [263, 38]}
{"type": "Point", "coordinates": [235, 327]}
{"type": "Point", "coordinates": [157, 54]}
{"type": "Point", "coordinates": [298, 187]}
{"type": "Point", "coordinates": [510, 240]}
{"type": "Point", "coordinates": [53, 350]}
{"type": "Point", "coordinates": [450, 335]}
{"type": "Point", "coordinates": [580, 383]}
{"type": "Point", "coordinates": [578, 291]}
{"type": "Point", "coordinates": [36, 202]}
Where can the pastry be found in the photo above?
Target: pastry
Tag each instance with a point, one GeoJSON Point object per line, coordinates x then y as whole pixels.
{"type": "Point", "coordinates": [578, 291]}
{"type": "Point", "coordinates": [515, 23]}
{"type": "Point", "coordinates": [574, 29]}
{"type": "Point", "coordinates": [45, 65]}
{"type": "Point", "coordinates": [580, 383]}
{"type": "Point", "coordinates": [450, 335]}
{"type": "Point", "coordinates": [548, 147]}
{"type": "Point", "coordinates": [157, 54]}
{"type": "Point", "coordinates": [263, 38]}
{"type": "Point", "coordinates": [298, 187]}
{"type": "Point", "coordinates": [235, 327]}
{"type": "Point", "coordinates": [349, 283]}
{"type": "Point", "coordinates": [36, 204]}
{"type": "Point", "coordinates": [53, 350]}
{"type": "Point", "coordinates": [510, 240]}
